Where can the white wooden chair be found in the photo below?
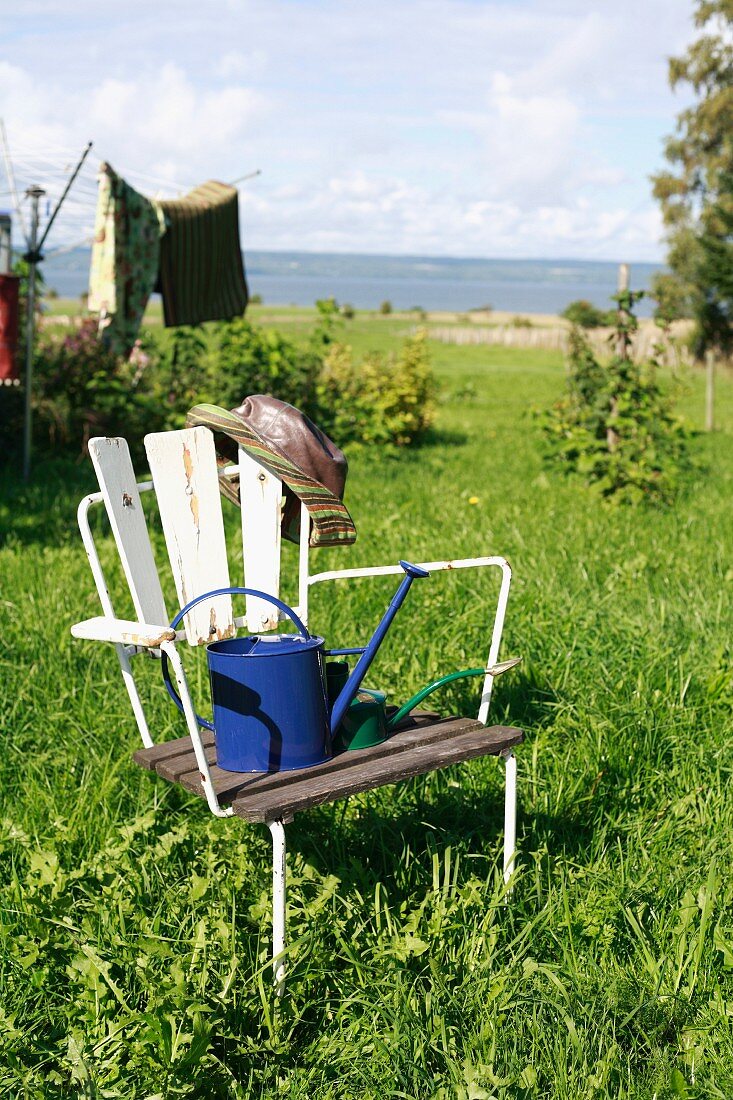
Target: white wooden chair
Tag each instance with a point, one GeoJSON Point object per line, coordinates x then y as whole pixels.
{"type": "Point", "coordinates": [185, 481]}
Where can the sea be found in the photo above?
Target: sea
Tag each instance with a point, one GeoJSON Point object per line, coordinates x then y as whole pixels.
{"type": "Point", "coordinates": [407, 282]}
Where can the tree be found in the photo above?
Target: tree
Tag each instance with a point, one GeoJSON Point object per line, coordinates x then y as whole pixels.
{"type": "Point", "coordinates": [696, 192]}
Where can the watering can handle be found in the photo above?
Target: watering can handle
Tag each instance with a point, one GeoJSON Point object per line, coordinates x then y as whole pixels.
{"type": "Point", "coordinates": [302, 629]}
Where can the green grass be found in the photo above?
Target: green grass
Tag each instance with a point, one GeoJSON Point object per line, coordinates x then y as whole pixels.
{"type": "Point", "coordinates": [134, 927]}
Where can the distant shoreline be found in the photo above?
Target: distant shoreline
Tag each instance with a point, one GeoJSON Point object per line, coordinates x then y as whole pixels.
{"type": "Point", "coordinates": [364, 281]}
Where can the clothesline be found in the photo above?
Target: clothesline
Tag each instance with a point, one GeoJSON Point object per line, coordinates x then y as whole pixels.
{"type": "Point", "coordinates": [51, 168]}
{"type": "Point", "coordinates": [33, 157]}
{"type": "Point", "coordinates": [50, 165]}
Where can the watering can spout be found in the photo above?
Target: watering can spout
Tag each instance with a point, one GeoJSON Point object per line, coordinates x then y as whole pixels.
{"type": "Point", "coordinates": [353, 683]}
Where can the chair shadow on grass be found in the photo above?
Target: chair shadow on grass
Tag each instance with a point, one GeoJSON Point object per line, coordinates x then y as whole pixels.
{"type": "Point", "coordinates": [437, 804]}
{"type": "Point", "coordinates": [390, 836]}
{"type": "Point", "coordinates": [465, 813]}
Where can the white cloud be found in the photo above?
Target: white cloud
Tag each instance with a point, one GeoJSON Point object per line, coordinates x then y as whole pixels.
{"type": "Point", "coordinates": [446, 126]}
{"type": "Point", "coordinates": [168, 119]}
{"type": "Point", "coordinates": [380, 213]}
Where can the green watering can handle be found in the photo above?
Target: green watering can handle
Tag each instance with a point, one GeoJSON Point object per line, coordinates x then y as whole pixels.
{"type": "Point", "coordinates": [416, 699]}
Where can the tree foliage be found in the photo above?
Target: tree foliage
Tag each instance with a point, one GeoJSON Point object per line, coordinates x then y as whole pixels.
{"type": "Point", "coordinates": [696, 191]}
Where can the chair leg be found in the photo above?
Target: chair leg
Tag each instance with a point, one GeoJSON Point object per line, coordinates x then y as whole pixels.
{"type": "Point", "coordinates": [277, 828]}
{"type": "Point", "coordinates": [510, 813]}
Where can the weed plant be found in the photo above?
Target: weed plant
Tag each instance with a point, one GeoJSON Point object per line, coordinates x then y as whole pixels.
{"type": "Point", "coordinates": [134, 927]}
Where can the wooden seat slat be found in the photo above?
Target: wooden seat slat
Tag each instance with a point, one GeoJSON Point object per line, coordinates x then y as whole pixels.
{"type": "Point", "coordinates": [167, 750]}
{"type": "Point", "coordinates": [424, 743]}
{"type": "Point", "coordinates": [416, 730]}
{"type": "Point", "coordinates": [417, 760]}
{"type": "Point", "coordinates": [173, 759]}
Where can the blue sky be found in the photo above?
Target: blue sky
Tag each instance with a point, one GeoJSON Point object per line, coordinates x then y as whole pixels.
{"type": "Point", "coordinates": [428, 127]}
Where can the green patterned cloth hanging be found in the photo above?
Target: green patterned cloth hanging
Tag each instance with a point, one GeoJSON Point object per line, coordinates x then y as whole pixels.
{"type": "Point", "coordinates": [125, 259]}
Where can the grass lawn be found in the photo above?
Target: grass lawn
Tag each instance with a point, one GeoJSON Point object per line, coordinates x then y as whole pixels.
{"type": "Point", "coordinates": [134, 927]}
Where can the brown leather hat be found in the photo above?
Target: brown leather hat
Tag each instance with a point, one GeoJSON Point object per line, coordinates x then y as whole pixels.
{"type": "Point", "coordinates": [309, 464]}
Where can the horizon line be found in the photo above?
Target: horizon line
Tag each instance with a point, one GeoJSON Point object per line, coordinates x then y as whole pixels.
{"type": "Point", "coordinates": [412, 256]}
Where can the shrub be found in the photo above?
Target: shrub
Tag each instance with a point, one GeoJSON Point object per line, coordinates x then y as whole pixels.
{"type": "Point", "coordinates": [251, 359]}
{"type": "Point", "coordinates": [381, 399]}
{"type": "Point", "coordinates": [518, 321]}
{"type": "Point", "coordinates": [185, 376]}
{"type": "Point", "coordinates": [672, 298]}
{"type": "Point", "coordinates": [386, 306]}
{"type": "Point", "coordinates": [348, 311]}
{"type": "Point", "coordinates": [81, 389]}
{"type": "Point", "coordinates": [616, 426]}
{"type": "Point", "coordinates": [586, 315]}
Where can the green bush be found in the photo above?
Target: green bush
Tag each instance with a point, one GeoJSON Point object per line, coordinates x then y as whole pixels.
{"type": "Point", "coordinates": [80, 390]}
{"type": "Point", "coordinates": [251, 359]}
{"type": "Point", "coordinates": [616, 426]}
{"type": "Point", "coordinates": [185, 376]}
{"type": "Point", "coordinates": [672, 298]}
{"type": "Point", "coordinates": [381, 399]}
{"type": "Point", "coordinates": [386, 306]}
{"type": "Point", "coordinates": [586, 315]}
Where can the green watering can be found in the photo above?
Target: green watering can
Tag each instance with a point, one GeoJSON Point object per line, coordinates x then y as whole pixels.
{"type": "Point", "coordinates": [366, 723]}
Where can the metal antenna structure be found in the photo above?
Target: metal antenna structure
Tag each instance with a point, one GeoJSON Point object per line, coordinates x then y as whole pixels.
{"type": "Point", "coordinates": [33, 256]}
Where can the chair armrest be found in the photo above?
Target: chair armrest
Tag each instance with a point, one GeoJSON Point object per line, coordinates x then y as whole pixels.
{"type": "Point", "coordinates": [124, 632]}
{"type": "Point", "coordinates": [396, 570]}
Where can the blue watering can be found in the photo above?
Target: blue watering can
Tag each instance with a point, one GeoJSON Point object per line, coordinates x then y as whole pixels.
{"type": "Point", "coordinates": [269, 694]}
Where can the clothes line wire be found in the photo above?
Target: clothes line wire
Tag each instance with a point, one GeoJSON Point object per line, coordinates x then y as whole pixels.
{"type": "Point", "coordinates": [29, 161]}
{"type": "Point", "coordinates": [50, 168]}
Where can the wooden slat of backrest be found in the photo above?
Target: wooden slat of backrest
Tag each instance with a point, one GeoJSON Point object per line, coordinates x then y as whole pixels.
{"type": "Point", "coordinates": [183, 466]}
{"type": "Point", "coordinates": [260, 498]}
{"type": "Point", "coordinates": [117, 482]}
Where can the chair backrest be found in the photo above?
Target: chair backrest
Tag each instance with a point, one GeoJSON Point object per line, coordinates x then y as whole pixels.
{"type": "Point", "coordinates": [119, 489]}
{"type": "Point", "coordinates": [183, 468]}
{"type": "Point", "coordinates": [185, 477]}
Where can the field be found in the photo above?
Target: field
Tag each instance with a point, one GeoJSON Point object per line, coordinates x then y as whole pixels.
{"type": "Point", "coordinates": [134, 927]}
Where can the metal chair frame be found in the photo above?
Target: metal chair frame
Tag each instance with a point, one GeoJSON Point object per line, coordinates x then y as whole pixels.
{"type": "Point", "coordinates": [131, 639]}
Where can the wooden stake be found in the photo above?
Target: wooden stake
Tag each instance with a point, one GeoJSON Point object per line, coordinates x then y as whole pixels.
{"type": "Point", "coordinates": [710, 391]}
{"type": "Point", "coordinates": [622, 351]}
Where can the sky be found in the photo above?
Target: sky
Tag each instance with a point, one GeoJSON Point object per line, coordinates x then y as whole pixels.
{"type": "Point", "coordinates": [483, 128]}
